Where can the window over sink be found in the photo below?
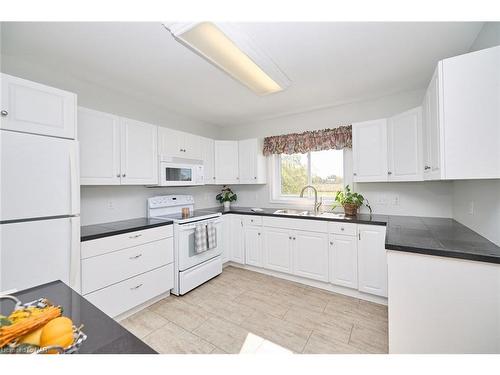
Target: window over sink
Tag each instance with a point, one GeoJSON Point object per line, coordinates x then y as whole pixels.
{"type": "Point", "coordinates": [322, 169]}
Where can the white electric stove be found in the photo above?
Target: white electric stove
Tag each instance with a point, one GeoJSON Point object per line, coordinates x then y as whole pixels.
{"type": "Point", "coordinates": [191, 269]}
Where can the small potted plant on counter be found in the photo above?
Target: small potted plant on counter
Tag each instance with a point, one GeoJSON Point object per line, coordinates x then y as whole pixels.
{"type": "Point", "coordinates": [226, 196]}
{"type": "Point", "coordinates": [350, 201]}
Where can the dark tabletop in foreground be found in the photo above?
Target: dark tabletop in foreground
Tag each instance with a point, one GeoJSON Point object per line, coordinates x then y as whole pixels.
{"type": "Point", "coordinates": [104, 335]}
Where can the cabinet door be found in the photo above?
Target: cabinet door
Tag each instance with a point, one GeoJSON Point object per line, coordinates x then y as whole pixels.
{"type": "Point", "coordinates": [369, 149]}
{"type": "Point", "coordinates": [277, 250]}
{"type": "Point", "coordinates": [139, 158]}
{"type": "Point", "coordinates": [170, 142]}
{"type": "Point", "coordinates": [30, 107]}
{"type": "Point", "coordinates": [344, 260]}
{"type": "Point", "coordinates": [208, 158]}
{"type": "Point", "coordinates": [470, 97]}
{"type": "Point", "coordinates": [310, 255]}
{"type": "Point", "coordinates": [99, 137]}
{"type": "Point", "coordinates": [405, 146]}
{"type": "Point", "coordinates": [247, 161]}
{"type": "Point", "coordinates": [372, 260]}
{"type": "Point", "coordinates": [192, 146]}
{"type": "Point", "coordinates": [253, 245]}
{"type": "Point", "coordinates": [225, 238]}
{"type": "Point", "coordinates": [226, 162]}
{"type": "Point", "coordinates": [432, 168]}
{"type": "Point", "coordinates": [237, 246]}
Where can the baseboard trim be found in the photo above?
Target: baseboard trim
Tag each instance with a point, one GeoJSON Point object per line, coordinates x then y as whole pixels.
{"type": "Point", "coordinates": [140, 307]}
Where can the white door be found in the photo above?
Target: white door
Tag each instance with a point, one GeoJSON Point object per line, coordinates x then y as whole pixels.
{"type": "Point", "coordinates": [208, 157]}
{"type": "Point", "coordinates": [310, 255]}
{"type": "Point", "coordinates": [192, 146]}
{"type": "Point", "coordinates": [405, 146]}
{"type": "Point", "coordinates": [247, 161]}
{"type": "Point", "coordinates": [170, 142]}
{"type": "Point", "coordinates": [139, 158]}
{"type": "Point", "coordinates": [369, 150]}
{"type": "Point", "coordinates": [344, 260]}
{"type": "Point", "coordinates": [34, 108]}
{"type": "Point", "coordinates": [471, 113]}
{"type": "Point", "coordinates": [432, 169]}
{"type": "Point", "coordinates": [99, 137]}
{"type": "Point", "coordinates": [372, 260]}
{"type": "Point", "coordinates": [46, 254]}
{"type": "Point", "coordinates": [39, 176]}
{"type": "Point", "coordinates": [253, 245]}
{"type": "Point", "coordinates": [237, 246]}
{"type": "Point", "coordinates": [226, 162]}
{"type": "Point", "coordinates": [277, 249]}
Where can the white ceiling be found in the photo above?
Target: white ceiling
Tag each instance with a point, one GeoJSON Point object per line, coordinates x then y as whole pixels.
{"type": "Point", "coordinates": [328, 63]}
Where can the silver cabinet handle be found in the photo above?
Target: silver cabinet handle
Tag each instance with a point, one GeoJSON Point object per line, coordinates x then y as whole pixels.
{"type": "Point", "coordinates": [136, 287]}
{"type": "Point", "coordinates": [389, 172]}
{"type": "Point", "coordinates": [359, 236]}
{"type": "Point", "coordinates": [289, 238]}
{"type": "Point", "coordinates": [135, 257]}
{"type": "Point", "coordinates": [294, 238]}
{"type": "Point", "coordinates": [427, 167]}
{"type": "Point", "coordinates": [342, 228]}
{"type": "Point", "coordinates": [123, 175]}
{"type": "Point", "coordinates": [255, 178]}
{"type": "Point", "coordinates": [258, 233]}
{"type": "Point", "coordinates": [135, 236]}
{"type": "Point", "coordinates": [118, 175]}
{"type": "Point", "coordinates": [4, 113]}
{"type": "Point", "coordinates": [331, 242]}
{"type": "Point", "coordinates": [355, 174]}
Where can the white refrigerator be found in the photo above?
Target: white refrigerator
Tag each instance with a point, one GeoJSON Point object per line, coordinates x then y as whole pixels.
{"type": "Point", "coordinates": [39, 211]}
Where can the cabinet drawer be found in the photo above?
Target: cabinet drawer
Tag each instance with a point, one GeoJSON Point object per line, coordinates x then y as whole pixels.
{"type": "Point", "coordinates": [296, 224]}
{"type": "Point", "coordinates": [251, 220]}
{"type": "Point", "coordinates": [122, 241]}
{"type": "Point", "coordinates": [343, 228]}
{"type": "Point", "coordinates": [103, 270]}
{"type": "Point", "coordinates": [119, 298]}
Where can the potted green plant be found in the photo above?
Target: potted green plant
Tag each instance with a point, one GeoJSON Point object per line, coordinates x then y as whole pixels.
{"type": "Point", "coordinates": [350, 201]}
{"type": "Point", "coordinates": [226, 196]}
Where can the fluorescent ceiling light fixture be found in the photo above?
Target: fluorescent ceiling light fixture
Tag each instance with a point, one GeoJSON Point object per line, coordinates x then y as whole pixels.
{"type": "Point", "coordinates": [229, 49]}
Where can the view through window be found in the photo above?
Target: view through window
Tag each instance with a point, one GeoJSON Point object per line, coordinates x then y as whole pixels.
{"type": "Point", "coordinates": [322, 169]}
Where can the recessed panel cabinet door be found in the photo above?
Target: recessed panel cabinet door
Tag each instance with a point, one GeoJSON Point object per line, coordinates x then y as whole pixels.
{"type": "Point", "coordinates": [253, 245]}
{"type": "Point", "coordinates": [344, 260]}
{"type": "Point", "coordinates": [237, 245]}
{"type": "Point", "coordinates": [277, 250]}
{"type": "Point", "coordinates": [372, 260]}
{"type": "Point", "coordinates": [369, 151]}
{"type": "Point", "coordinates": [170, 142]}
{"type": "Point", "coordinates": [405, 146]}
{"type": "Point", "coordinates": [99, 137]}
{"type": "Point", "coordinates": [30, 107]}
{"type": "Point", "coordinates": [208, 157]}
{"type": "Point", "coordinates": [310, 255]}
{"type": "Point", "coordinates": [138, 153]}
{"type": "Point", "coordinates": [247, 161]}
{"type": "Point", "coordinates": [226, 162]}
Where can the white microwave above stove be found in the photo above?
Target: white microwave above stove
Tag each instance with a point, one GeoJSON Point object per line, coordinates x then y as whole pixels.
{"type": "Point", "coordinates": [180, 172]}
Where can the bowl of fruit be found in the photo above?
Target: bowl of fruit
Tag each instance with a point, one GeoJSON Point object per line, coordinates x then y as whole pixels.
{"type": "Point", "coordinates": [38, 327]}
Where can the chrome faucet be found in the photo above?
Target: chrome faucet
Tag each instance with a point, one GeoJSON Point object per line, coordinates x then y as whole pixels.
{"type": "Point", "coordinates": [317, 204]}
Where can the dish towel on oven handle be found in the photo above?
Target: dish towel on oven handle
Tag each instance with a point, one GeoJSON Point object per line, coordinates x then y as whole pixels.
{"type": "Point", "coordinates": [200, 238]}
{"type": "Point", "coordinates": [211, 236]}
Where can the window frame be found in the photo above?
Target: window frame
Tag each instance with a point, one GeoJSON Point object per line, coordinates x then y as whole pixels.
{"type": "Point", "coordinates": [275, 189]}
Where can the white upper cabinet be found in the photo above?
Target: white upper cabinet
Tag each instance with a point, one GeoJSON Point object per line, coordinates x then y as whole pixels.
{"type": "Point", "coordinates": [405, 146]}
{"type": "Point", "coordinates": [470, 113]}
{"type": "Point", "coordinates": [99, 136]}
{"type": "Point", "coordinates": [179, 144]}
{"type": "Point", "coordinates": [252, 163]}
{"type": "Point", "coordinates": [115, 150]}
{"type": "Point", "coordinates": [139, 156]}
{"type": "Point", "coordinates": [310, 255]}
{"type": "Point", "coordinates": [431, 130]}
{"type": "Point", "coordinates": [369, 146]}
{"type": "Point", "coordinates": [30, 107]}
{"type": "Point", "coordinates": [372, 260]}
{"type": "Point", "coordinates": [208, 157]}
{"type": "Point", "coordinates": [226, 162]}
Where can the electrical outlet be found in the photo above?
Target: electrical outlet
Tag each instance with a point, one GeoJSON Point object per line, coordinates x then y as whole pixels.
{"type": "Point", "coordinates": [395, 200]}
{"type": "Point", "coordinates": [111, 205]}
{"type": "Point", "coordinates": [471, 208]}
{"type": "Point", "coordinates": [381, 200]}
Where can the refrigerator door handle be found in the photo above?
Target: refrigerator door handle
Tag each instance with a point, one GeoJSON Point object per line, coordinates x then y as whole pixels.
{"type": "Point", "coordinates": [74, 188]}
{"type": "Point", "coordinates": [75, 255]}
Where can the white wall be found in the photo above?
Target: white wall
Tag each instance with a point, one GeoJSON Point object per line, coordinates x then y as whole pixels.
{"type": "Point", "coordinates": [489, 36]}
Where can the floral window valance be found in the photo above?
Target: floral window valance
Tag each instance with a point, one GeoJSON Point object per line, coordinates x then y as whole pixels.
{"type": "Point", "coordinates": [316, 140]}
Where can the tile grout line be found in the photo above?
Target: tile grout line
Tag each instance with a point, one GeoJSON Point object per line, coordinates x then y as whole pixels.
{"type": "Point", "coordinates": [307, 341]}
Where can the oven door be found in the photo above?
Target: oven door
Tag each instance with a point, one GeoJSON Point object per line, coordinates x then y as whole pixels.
{"type": "Point", "coordinates": [187, 257]}
{"type": "Point", "coordinates": [177, 174]}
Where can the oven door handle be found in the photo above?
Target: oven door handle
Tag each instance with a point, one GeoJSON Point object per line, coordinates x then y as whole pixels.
{"type": "Point", "coordinates": [192, 226]}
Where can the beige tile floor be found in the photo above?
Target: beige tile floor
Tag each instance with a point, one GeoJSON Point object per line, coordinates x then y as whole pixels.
{"type": "Point", "coordinates": [232, 312]}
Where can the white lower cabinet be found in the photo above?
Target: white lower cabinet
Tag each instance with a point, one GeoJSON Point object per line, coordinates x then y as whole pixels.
{"type": "Point", "coordinates": [237, 251]}
{"type": "Point", "coordinates": [372, 260]}
{"type": "Point", "coordinates": [344, 260]}
{"type": "Point", "coordinates": [252, 237]}
{"type": "Point", "coordinates": [310, 255]}
{"type": "Point", "coordinates": [277, 249]}
{"type": "Point", "coordinates": [225, 240]}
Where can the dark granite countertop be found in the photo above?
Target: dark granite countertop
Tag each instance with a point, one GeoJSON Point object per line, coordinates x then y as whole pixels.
{"type": "Point", "coordinates": [104, 335]}
{"type": "Point", "coordinates": [92, 232]}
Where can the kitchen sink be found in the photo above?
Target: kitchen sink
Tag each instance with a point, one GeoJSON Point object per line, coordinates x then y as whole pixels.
{"type": "Point", "coordinates": [291, 212]}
